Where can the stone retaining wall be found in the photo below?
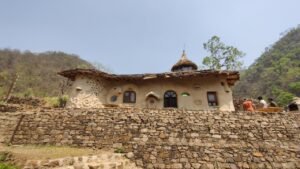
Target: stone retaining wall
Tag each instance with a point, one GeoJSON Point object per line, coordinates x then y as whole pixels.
{"type": "Point", "coordinates": [8, 123]}
{"type": "Point", "coordinates": [172, 138]}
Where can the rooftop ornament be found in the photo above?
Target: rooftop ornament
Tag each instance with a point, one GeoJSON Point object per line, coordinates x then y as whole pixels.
{"type": "Point", "coordinates": [184, 64]}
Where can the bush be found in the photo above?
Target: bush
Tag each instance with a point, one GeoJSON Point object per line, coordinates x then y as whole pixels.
{"type": "Point", "coordinates": [63, 100]}
{"type": "Point", "coordinates": [7, 166]}
{"type": "Point", "coordinates": [28, 93]}
{"type": "Point", "coordinates": [119, 150]}
{"type": "Point", "coordinates": [282, 97]}
{"type": "Point", "coordinates": [52, 101]}
{"type": "Point", "coordinates": [3, 156]}
{"type": "Point", "coordinates": [57, 101]}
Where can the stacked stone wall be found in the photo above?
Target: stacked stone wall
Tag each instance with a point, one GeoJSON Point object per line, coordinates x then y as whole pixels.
{"type": "Point", "coordinates": [8, 123]}
{"type": "Point", "coordinates": [161, 138]}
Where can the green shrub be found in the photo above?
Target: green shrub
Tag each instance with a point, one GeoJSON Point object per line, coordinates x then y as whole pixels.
{"type": "Point", "coordinates": [3, 156]}
{"type": "Point", "coordinates": [28, 93]}
{"type": "Point", "coordinates": [63, 100]}
{"type": "Point", "coordinates": [295, 86]}
{"type": "Point", "coordinates": [282, 97]}
{"type": "Point", "coordinates": [119, 150]}
{"type": "Point", "coordinates": [52, 101]}
{"type": "Point", "coordinates": [7, 166]}
{"type": "Point", "coordinates": [57, 101]}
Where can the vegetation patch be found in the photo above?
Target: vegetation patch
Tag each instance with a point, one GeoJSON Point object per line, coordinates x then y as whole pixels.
{"type": "Point", "coordinates": [120, 150]}
{"type": "Point", "coordinates": [276, 73]}
{"type": "Point", "coordinates": [56, 101]}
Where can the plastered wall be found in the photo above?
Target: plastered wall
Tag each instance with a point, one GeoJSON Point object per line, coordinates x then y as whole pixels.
{"type": "Point", "coordinates": [90, 92]}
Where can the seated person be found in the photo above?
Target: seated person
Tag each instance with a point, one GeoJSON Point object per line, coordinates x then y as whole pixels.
{"type": "Point", "coordinates": [262, 102]}
{"type": "Point", "coordinates": [248, 105]}
{"type": "Point", "coordinates": [272, 103]}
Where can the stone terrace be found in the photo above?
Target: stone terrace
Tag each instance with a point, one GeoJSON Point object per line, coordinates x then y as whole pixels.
{"type": "Point", "coordinates": [167, 138]}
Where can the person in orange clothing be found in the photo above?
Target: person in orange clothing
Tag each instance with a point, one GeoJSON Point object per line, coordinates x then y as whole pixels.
{"type": "Point", "coordinates": [248, 105]}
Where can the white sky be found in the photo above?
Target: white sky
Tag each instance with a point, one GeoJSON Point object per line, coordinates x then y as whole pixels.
{"type": "Point", "coordinates": [139, 36]}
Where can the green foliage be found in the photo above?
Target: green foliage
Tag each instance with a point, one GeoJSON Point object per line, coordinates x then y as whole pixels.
{"type": "Point", "coordinates": [120, 150]}
{"type": "Point", "coordinates": [28, 93]}
{"type": "Point", "coordinates": [295, 87]}
{"type": "Point", "coordinates": [222, 56]}
{"type": "Point", "coordinates": [276, 73]}
{"type": "Point", "coordinates": [37, 71]}
{"type": "Point", "coordinates": [282, 97]}
{"type": "Point", "coordinates": [62, 100]}
{"type": "Point", "coordinates": [52, 101]}
{"type": "Point", "coordinates": [7, 166]}
{"type": "Point", "coordinates": [57, 101]}
{"type": "Point", "coordinates": [3, 156]}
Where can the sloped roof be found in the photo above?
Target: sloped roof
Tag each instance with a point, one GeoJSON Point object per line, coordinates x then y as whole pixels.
{"type": "Point", "coordinates": [231, 76]}
{"type": "Point", "coordinates": [184, 62]}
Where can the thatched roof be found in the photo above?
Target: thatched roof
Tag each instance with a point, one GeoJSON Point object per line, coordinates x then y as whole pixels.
{"type": "Point", "coordinates": [184, 62]}
{"type": "Point", "coordinates": [231, 76]}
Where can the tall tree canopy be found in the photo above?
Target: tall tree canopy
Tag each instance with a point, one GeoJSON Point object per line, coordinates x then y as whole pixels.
{"type": "Point", "coordinates": [222, 56]}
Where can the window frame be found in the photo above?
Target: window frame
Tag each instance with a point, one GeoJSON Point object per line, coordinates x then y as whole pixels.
{"type": "Point", "coordinates": [127, 99]}
{"type": "Point", "coordinates": [172, 100]}
{"type": "Point", "coordinates": [211, 103]}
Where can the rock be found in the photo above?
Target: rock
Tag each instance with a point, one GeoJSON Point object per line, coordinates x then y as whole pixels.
{"type": "Point", "coordinates": [217, 117]}
{"type": "Point", "coordinates": [94, 166]}
{"type": "Point", "coordinates": [245, 165]}
{"type": "Point", "coordinates": [187, 165]}
{"type": "Point", "coordinates": [145, 130]}
{"type": "Point", "coordinates": [257, 154]}
{"type": "Point", "coordinates": [130, 155]}
{"type": "Point", "coordinates": [196, 165]}
{"type": "Point", "coordinates": [177, 166]}
{"type": "Point", "coordinates": [78, 166]}
{"type": "Point", "coordinates": [193, 135]}
{"type": "Point", "coordinates": [54, 163]}
{"type": "Point", "coordinates": [216, 136]}
{"type": "Point", "coordinates": [117, 145]}
{"type": "Point", "coordinates": [233, 166]}
{"type": "Point", "coordinates": [288, 165]}
{"type": "Point", "coordinates": [233, 136]}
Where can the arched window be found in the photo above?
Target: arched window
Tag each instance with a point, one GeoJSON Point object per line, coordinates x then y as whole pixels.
{"type": "Point", "coordinates": [129, 97]}
{"type": "Point", "coordinates": [170, 99]}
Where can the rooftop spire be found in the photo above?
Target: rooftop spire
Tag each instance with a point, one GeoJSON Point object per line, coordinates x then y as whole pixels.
{"type": "Point", "coordinates": [184, 64]}
{"type": "Point", "coordinates": [183, 56]}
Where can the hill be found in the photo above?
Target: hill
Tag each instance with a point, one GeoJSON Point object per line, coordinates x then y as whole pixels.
{"type": "Point", "coordinates": [276, 73]}
{"type": "Point", "coordinates": [37, 72]}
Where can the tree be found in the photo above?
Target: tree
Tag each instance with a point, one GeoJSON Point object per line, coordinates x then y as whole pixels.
{"type": "Point", "coordinates": [222, 56]}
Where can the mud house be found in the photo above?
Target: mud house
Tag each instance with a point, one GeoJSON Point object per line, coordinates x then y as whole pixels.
{"type": "Point", "coordinates": [183, 87]}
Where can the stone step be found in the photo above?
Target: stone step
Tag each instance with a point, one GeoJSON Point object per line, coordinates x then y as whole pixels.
{"type": "Point", "coordinates": [105, 161]}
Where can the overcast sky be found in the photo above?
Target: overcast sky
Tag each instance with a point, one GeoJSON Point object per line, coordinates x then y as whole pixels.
{"type": "Point", "coordinates": [138, 36]}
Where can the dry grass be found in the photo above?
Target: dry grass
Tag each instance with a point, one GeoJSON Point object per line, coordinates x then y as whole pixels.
{"type": "Point", "coordinates": [47, 152]}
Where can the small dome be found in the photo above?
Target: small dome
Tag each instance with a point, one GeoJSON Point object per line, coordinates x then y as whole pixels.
{"type": "Point", "coordinates": [184, 64]}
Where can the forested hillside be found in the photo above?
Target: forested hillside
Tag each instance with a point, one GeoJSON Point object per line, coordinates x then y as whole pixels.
{"type": "Point", "coordinates": [37, 73]}
{"type": "Point", "coordinates": [276, 73]}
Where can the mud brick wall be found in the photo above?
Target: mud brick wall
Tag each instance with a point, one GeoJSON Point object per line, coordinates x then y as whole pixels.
{"type": "Point", "coordinates": [169, 138]}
